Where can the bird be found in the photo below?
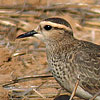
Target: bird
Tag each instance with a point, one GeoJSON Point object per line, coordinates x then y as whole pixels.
{"type": "Point", "coordinates": [69, 58]}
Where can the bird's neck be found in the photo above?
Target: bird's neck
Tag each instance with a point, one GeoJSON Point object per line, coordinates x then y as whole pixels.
{"type": "Point", "coordinates": [60, 44]}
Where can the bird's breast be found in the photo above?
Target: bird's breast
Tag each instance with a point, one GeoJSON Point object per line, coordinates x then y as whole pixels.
{"type": "Point", "coordinates": [61, 66]}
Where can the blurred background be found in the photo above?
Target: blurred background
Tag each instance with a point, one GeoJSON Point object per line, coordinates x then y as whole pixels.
{"type": "Point", "coordinates": [24, 74]}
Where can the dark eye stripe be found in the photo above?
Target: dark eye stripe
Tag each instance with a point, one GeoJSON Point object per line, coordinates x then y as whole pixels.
{"type": "Point", "coordinates": [66, 31]}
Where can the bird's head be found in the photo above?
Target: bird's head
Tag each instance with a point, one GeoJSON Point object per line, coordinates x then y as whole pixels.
{"type": "Point", "coordinates": [51, 29]}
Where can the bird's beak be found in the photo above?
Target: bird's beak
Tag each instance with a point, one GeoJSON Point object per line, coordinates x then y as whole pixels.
{"type": "Point", "coordinates": [28, 34]}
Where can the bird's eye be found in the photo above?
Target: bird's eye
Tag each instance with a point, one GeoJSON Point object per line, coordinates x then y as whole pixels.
{"type": "Point", "coordinates": [47, 27]}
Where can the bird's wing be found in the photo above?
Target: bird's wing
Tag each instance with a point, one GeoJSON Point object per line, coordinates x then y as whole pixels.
{"type": "Point", "coordinates": [88, 64]}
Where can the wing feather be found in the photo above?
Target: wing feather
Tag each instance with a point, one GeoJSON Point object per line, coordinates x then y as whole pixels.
{"type": "Point", "coordinates": [88, 63]}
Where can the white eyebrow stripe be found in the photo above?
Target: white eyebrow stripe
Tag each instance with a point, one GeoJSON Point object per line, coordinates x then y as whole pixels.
{"type": "Point", "coordinates": [55, 25]}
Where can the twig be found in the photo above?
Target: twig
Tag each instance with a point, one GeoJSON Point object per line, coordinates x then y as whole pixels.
{"type": "Point", "coordinates": [39, 93]}
{"type": "Point", "coordinates": [74, 91]}
{"type": "Point", "coordinates": [25, 79]}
